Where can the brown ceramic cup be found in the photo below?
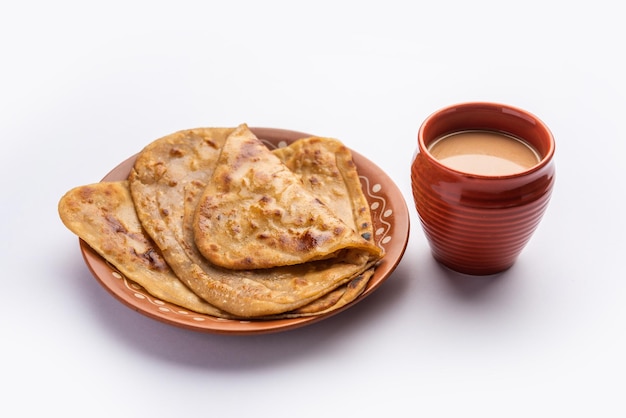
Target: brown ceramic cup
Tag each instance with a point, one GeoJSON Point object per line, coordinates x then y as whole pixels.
{"type": "Point", "coordinates": [478, 224]}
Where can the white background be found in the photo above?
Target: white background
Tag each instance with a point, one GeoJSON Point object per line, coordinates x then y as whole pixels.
{"type": "Point", "coordinates": [85, 85]}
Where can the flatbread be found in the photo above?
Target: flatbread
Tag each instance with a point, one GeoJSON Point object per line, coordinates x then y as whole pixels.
{"type": "Point", "coordinates": [166, 182]}
{"type": "Point", "coordinates": [334, 300]}
{"type": "Point", "coordinates": [103, 215]}
{"type": "Point", "coordinates": [256, 213]}
{"type": "Point", "coordinates": [326, 169]}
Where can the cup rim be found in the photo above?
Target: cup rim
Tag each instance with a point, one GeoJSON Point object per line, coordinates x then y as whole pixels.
{"type": "Point", "coordinates": [494, 106]}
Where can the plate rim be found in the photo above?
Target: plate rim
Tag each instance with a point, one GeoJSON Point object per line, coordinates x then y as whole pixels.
{"type": "Point", "coordinates": [103, 271]}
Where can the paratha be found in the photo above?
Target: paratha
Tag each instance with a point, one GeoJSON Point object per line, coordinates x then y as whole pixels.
{"type": "Point", "coordinates": [333, 300]}
{"type": "Point", "coordinates": [166, 182]}
{"type": "Point", "coordinates": [103, 215]}
{"type": "Point", "coordinates": [327, 170]}
{"type": "Point", "coordinates": [256, 213]}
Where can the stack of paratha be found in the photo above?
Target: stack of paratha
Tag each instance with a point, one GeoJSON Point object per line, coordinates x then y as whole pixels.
{"type": "Point", "coordinates": [213, 221]}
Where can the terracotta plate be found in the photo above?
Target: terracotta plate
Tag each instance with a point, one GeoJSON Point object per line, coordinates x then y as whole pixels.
{"type": "Point", "coordinates": [391, 225]}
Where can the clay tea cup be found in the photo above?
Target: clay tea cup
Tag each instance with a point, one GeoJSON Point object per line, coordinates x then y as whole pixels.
{"type": "Point", "coordinates": [481, 179]}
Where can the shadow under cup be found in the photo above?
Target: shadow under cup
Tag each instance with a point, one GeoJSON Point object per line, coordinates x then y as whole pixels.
{"type": "Point", "coordinates": [479, 224]}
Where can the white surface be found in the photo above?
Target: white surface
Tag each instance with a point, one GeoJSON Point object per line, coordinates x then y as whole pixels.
{"type": "Point", "coordinates": [83, 87]}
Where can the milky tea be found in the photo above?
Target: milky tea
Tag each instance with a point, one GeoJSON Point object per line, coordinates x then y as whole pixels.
{"type": "Point", "coordinates": [482, 152]}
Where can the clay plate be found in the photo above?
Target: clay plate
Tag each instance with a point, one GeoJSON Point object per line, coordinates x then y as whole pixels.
{"type": "Point", "coordinates": [391, 226]}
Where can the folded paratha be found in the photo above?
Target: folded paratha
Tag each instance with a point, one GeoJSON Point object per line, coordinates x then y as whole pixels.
{"type": "Point", "coordinates": [326, 169]}
{"type": "Point", "coordinates": [332, 300]}
{"type": "Point", "coordinates": [103, 215]}
{"type": "Point", "coordinates": [256, 213]}
{"type": "Point", "coordinates": [167, 181]}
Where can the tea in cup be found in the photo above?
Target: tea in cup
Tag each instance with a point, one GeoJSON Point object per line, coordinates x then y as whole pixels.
{"type": "Point", "coordinates": [481, 178]}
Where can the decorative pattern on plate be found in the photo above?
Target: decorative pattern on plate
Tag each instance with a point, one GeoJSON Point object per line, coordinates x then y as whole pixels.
{"type": "Point", "coordinates": [157, 304]}
{"type": "Point", "coordinates": [378, 207]}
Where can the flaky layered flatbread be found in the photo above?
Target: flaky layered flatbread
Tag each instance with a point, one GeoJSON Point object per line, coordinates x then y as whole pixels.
{"type": "Point", "coordinates": [326, 169]}
{"type": "Point", "coordinates": [103, 215]}
{"type": "Point", "coordinates": [148, 226]}
{"type": "Point", "coordinates": [256, 213]}
{"type": "Point", "coordinates": [167, 182]}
